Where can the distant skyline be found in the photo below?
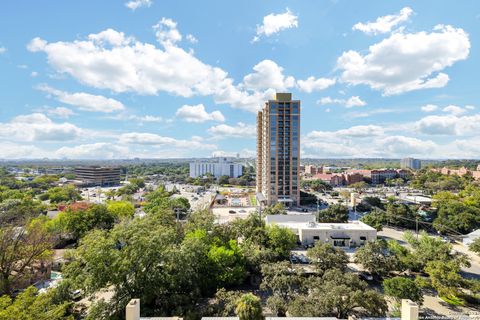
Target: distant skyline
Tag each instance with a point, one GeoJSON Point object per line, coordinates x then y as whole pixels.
{"type": "Point", "coordinates": [161, 79]}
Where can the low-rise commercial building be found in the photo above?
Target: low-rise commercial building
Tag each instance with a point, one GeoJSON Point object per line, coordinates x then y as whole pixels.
{"type": "Point", "coordinates": [98, 176]}
{"type": "Point", "coordinates": [351, 234]}
{"type": "Point", "coordinates": [217, 167]}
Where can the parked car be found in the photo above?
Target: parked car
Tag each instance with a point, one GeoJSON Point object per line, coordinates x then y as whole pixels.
{"type": "Point", "coordinates": [77, 295]}
{"type": "Point", "coordinates": [293, 259]}
{"type": "Point", "coordinates": [365, 276]}
{"type": "Point", "coordinates": [232, 211]}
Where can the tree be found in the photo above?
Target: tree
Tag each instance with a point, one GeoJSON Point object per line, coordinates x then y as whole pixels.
{"type": "Point", "coordinates": [62, 194]}
{"type": "Point", "coordinates": [249, 307]}
{"type": "Point", "coordinates": [445, 276]}
{"type": "Point", "coordinates": [280, 240]}
{"type": "Point", "coordinates": [457, 216]}
{"type": "Point", "coordinates": [282, 283]}
{"type": "Point", "coordinates": [21, 250]}
{"type": "Point", "coordinates": [375, 219]}
{"type": "Point", "coordinates": [359, 186]}
{"type": "Point", "coordinates": [121, 209]}
{"type": "Point", "coordinates": [75, 223]}
{"type": "Point", "coordinates": [427, 248]}
{"type": "Point", "coordinates": [375, 258]}
{"type": "Point", "coordinates": [228, 263]}
{"type": "Point", "coordinates": [139, 183]}
{"type": "Point", "coordinates": [337, 294]}
{"type": "Point", "coordinates": [325, 257]}
{"type": "Point", "coordinates": [108, 258]}
{"type": "Point", "coordinates": [373, 201]}
{"type": "Point", "coordinates": [223, 180]}
{"type": "Point", "coordinates": [403, 288]}
{"type": "Point", "coordinates": [475, 246]}
{"type": "Point", "coordinates": [274, 209]}
{"type": "Point", "coordinates": [29, 305]}
{"type": "Point", "coordinates": [335, 213]}
{"type": "Point", "coordinates": [224, 303]}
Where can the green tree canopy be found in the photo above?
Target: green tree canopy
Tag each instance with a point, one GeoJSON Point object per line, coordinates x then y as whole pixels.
{"type": "Point", "coordinates": [403, 288]}
{"type": "Point", "coordinates": [376, 258]}
{"type": "Point", "coordinates": [121, 209]}
{"type": "Point", "coordinates": [337, 294]}
{"type": "Point", "coordinates": [335, 213]}
{"type": "Point", "coordinates": [325, 257]}
{"type": "Point", "coordinates": [249, 307]}
{"type": "Point", "coordinates": [29, 305]}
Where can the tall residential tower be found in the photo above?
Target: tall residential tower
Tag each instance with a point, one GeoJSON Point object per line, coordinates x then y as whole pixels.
{"type": "Point", "coordinates": [278, 150]}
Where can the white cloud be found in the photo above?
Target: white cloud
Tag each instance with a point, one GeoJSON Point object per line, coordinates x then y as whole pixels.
{"type": "Point", "coordinates": [3, 50]}
{"type": "Point", "coordinates": [108, 36]}
{"type": "Point", "coordinates": [135, 4]}
{"type": "Point", "coordinates": [33, 74]}
{"type": "Point", "coordinates": [85, 101]}
{"type": "Point", "coordinates": [20, 151]}
{"type": "Point", "coordinates": [363, 131]}
{"type": "Point", "coordinates": [268, 75]}
{"type": "Point", "coordinates": [38, 127]}
{"type": "Point", "coordinates": [455, 110]}
{"type": "Point", "coordinates": [110, 60]}
{"type": "Point", "coordinates": [152, 139]}
{"type": "Point", "coordinates": [470, 107]}
{"type": "Point", "coordinates": [365, 141]}
{"type": "Point", "coordinates": [99, 150]}
{"type": "Point", "coordinates": [127, 116]}
{"type": "Point", "coordinates": [311, 84]}
{"type": "Point", "coordinates": [384, 24]}
{"type": "Point", "coordinates": [166, 32]}
{"type": "Point", "coordinates": [274, 23]}
{"type": "Point", "coordinates": [429, 108]}
{"type": "Point", "coordinates": [401, 145]}
{"type": "Point", "coordinates": [60, 112]}
{"type": "Point", "coordinates": [353, 101]}
{"type": "Point", "coordinates": [241, 130]}
{"type": "Point", "coordinates": [449, 125]}
{"type": "Point", "coordinates": [406, 61]}
{"type": "Point", "coordinates": [190, 38]}
{"type": "Point", "coordinates": [198, 114]}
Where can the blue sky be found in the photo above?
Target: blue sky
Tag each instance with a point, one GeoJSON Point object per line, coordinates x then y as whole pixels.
{"type": "Point", "coordinates": [167, 79]}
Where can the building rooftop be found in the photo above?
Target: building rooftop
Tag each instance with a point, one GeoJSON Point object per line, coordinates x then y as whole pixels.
{"type": "Point", "coordinates": [354, 225]}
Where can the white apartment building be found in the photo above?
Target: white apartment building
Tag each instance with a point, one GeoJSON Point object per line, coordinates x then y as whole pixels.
{"type": "Point", "coordinates": [217, 167]}
{"type": "Point", "coordinates": [410, 163]}
{"type": "Point", "coordinates": [351, 234]}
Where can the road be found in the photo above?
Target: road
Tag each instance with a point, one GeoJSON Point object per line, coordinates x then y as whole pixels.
{"type": "Point", "coordinates": [472, 272]}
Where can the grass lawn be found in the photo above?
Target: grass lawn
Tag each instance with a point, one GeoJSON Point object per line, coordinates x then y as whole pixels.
{"type": "Point", "coordinates": [455, 301]}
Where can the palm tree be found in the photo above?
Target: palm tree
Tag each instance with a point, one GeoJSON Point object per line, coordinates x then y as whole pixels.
{"type": "Point", "coordinates": [249, 307]}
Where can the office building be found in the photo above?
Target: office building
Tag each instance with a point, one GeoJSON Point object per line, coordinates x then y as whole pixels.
{"type": "Point", "coordinates": [278, 150]}
{"type": "Point", "coordinates": [217, 167]}
{"type": "Point", "coordinates": [308, 231]}
{"type": "Point", "coordinates": [98, 176]}
{"type": "Point", "coordinates": [410, 163]}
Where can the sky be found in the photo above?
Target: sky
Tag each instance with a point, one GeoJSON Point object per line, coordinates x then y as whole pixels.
{"type": "Point", "coordinates": [171, 79]}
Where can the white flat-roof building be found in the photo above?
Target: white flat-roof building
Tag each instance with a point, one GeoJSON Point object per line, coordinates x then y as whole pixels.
{"type": "Point", "coordinates": [350, 234]}
{"type": "Point", "coordinates": [217, 167]}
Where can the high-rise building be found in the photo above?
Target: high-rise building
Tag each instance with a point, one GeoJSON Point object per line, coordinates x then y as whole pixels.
{"type": "Point", "coordinates": [410, 163]}
{"type": "Point", "coordinates": [217, 167]}
{"type": "Point", "coordinates": [278, 150]}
